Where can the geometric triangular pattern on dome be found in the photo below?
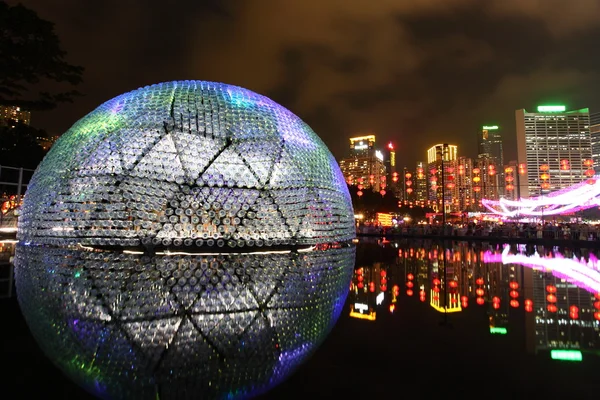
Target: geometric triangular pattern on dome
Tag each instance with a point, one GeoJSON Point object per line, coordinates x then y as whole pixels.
{"type": "Point", "coordinates": [197, 352]}
{"type": "Point", "coordinates": [153, 337]}
{"type": "Point", "coordinates": [230, 170]}
{"type": "Point", "coordinates": [260, 155]}
{"type": "Point", "coordinates": [286, 172]}
{"type": "Point", "coordinates": [105, 159]}
{"type": "Point", "coordinates": [226, 334]}
{"type": "Point", "coordinates": [155, 297]}
{"type": "Point", "coordinates": [161, 162]}
{"type": "Point", "coordinates": [135, 143]}
{"type": "Point", "coordinates": [263, 215]}
{"type": "Point", "coordinates": [292, 204]}
{"type": "Point", "coordinates": [196, 152]}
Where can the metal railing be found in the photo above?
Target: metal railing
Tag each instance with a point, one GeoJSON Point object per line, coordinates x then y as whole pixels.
{"type": "Point", "coordinates": [13, 184]}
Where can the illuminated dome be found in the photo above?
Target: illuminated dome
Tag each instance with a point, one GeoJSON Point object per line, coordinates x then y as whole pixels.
{"type": "Point", "coordinates": [186, 239]}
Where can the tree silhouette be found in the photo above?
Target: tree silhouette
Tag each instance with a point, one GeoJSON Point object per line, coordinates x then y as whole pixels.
{"type": "Point", "coordinates": [19, 146]}
{"type": "Point", "coordinates": [31, 54]}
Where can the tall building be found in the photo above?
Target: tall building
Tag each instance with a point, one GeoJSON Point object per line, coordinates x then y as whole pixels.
{"type": "Point", "coordinates": [491, 149]}
{"type": "Point", "coordinates": [420, 182]}
{"type": "Point", "coordinates": [595, 137]}
{"type": "Point", "coordinates": [362, 146]}
{"type": "Point", "coordinates": [554, 144]}
{"type": "Point", "coordinates": [364, 166]}
{"type": "Point", "coordinates": [392, 177]}
{"type": "Point", "coordinates": [12, 115]}
{"type": "Point", "coordinates": [442, 188]}
{"type": "Point", "coordinates": [464, 182]}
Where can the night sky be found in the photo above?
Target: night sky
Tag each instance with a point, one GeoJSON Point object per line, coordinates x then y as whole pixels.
{"type": "Point", "coordinates": [418, 72]}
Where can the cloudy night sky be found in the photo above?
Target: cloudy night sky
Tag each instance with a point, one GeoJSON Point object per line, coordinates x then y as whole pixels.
{"type": "Point", "coordinates": [416, 72]}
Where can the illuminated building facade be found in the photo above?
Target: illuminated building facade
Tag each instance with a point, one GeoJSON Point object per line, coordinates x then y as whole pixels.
{"type": "Point", "coordinates": [420, 182]}
{"type": "Point", "coordinates": [491, 148]}
{"type": "Point", "coordinates": [393, 178]}
{"type": "Point", "coordinates": [595, 138]}
{"type": "Point", "coordinates": [442, 186]}
{"type": "Point", "coordinates": [12, 115]}
{"type": "Point", "coordinates": [365, 165]}
{"type": "Point", "coordinates": [464, 183]}
{"type": "Point", "coordinates": [554, 144]}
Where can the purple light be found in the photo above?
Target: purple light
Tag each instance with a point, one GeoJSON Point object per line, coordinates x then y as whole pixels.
{"type": "Point", "coordinates": [582, 273]}
{"type": "Point", "coordinates": [565, 201]}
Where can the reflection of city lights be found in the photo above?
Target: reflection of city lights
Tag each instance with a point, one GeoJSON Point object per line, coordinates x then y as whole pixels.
{"type": "Point", "coordinates": [582, 273]}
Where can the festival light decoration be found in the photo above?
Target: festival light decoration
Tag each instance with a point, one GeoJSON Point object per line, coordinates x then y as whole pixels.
{"type": "Point", "coordinates": [185, 240]}
{"type": "Point", "coordinates": [579, 271]}
{"type": "Point", "coordinates": [577, 197]}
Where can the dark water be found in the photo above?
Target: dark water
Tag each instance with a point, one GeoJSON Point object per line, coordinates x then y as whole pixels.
{"type": "Point", "coordinates": [419, 338]}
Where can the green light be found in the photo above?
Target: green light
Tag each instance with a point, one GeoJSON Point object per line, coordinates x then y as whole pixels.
{"type": "Point", "coordinates": [551, 108]}
{"type": "Point", "coordinates": [566, 355]}
{"type": "Point", "coordinates": [491, 128]}
{"type": "Point", "coordinates": [498, 330]}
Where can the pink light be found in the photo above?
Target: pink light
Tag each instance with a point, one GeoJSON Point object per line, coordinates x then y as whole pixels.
{"type": "Point", "coordinates": [578, 197]}
{"type": "Point", "coordinates": [582, 273]}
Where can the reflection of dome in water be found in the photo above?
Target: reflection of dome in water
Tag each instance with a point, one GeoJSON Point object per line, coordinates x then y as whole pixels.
{"type": "Point", "coordinates": [214, 226]}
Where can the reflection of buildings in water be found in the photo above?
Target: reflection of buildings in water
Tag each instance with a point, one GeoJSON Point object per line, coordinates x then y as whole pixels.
{"type": "Point", "coordinates": [369, 290]}
{"type": "Point", "coordinates": [559, 297]}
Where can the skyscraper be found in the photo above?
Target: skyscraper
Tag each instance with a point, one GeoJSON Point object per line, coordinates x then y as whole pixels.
{"type": "Point", "coordinates": [595, 137]}
{"type": "Point", "coordinates": [364, 166]}
{"type": "Point", "coordinates": [554, 144]}
{"type": "Point", "coordinates": [441, 174]}
{"type": "Point", "coordinates": [490, 143]}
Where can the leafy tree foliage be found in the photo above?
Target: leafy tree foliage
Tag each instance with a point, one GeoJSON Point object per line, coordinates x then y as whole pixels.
{"type": "Point", "coordinates": [19, 146]}
{"type": "Point", "coordinates": [31, 54]}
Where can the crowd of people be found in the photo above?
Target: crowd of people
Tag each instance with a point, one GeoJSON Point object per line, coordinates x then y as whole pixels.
{"type": "Point", "coordinates": [539, 230]}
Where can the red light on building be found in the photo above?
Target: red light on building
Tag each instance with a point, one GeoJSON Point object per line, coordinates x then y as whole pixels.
{"type": "Point", "coordinates": [597, 305]}
{"type": "Point", "coordinates": [372, 287]}
{"type": "Point", "coordinates": [551, 298]}
{"type": "Point", "coordinates": [480, 301]}
{"type": "Point", "coordinates": [514, 303]}
{"type": "Point", "coordinates": [552, 308]}
{"type": "Point", "coordinates": [360, 285]}
{"type": "Point", "coordinates": [496, 305]}
{"type": "Point", "coordinates": [479, 292]}
{"type": "Point", "coordinates": [390, 146]}
{"type": "Point", "coordinates": [479, 281]}
{"type": "Point", "coordinates": [410, 277]}
{"type": "Point", "coordinates": [496, 299]}
{"type": "Point", "coordinates": [514, 294]}
{"type": "Point", "coordinates": [436, 281]}
{"type": "Point", "coordinates": [574, 312]}
{"type": "Point", "coordinates": [597, 296]}
{"type": "Point", "coordinates": [597, 315]}
{"type": "Point", "coordinates": [514, 285]}
{"type": "Point", "coordinates": [409, 292]}
{"type": "Point", "coordinates": [392, 308]}
{"type": "Point", "coordinates": [528, 305]}
{"type": "Point", "coordinates": [551, 289]}
{"type": "Point", "coordinates": [453, 284]}
{"type": "Point", "coordinates": [409, 284]}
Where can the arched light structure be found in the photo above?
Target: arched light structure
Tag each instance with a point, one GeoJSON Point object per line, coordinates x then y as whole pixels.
{"type": "Point", "coordinates": [574, 198]}
{"type": "Point", "coordinates": [185, 240]}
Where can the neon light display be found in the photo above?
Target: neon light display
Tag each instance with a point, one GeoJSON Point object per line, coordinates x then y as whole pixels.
{"type": "Point", "coordinates": [551, 108]}
{"type": "Point", "coordinates": [185, 240]}
{"type": "Point", "coordinates": [566, 355]}
{"type": "Point", "coordinates": [582, 273]}
{"type": "Point", "coordinates": [490, 128]}
{"type": "Point", "coordinates": [577, 197]}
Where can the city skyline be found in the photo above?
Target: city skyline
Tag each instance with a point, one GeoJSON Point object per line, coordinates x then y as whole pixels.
{"type": "Point", "coordinates": [415, 74]}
